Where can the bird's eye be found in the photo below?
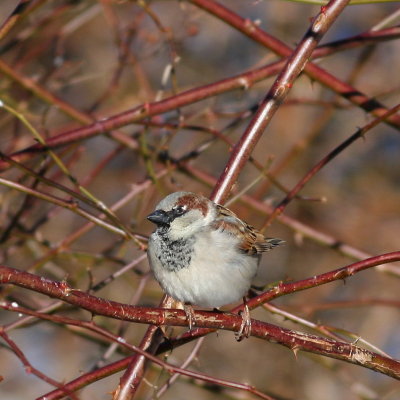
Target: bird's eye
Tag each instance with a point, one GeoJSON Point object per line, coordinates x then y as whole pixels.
{"type": "Point", "coordinates": [179, 210]}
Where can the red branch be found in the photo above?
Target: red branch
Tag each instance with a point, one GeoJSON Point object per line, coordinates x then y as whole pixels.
{"type": "Point", "coordinates": [297, 60]}
{"type": "Point", "coordinates": [213, 320]}
{"type": "Point", "coordinates": [30, 369]}
{"type": "Point", "coordinates": [99, 373]}
{"type": "Point", "coordinates": [287, 288]}
{"type": "Point", "coordinates": [317, 73]}
{"type": "Point", "coordinates": [196, 94]}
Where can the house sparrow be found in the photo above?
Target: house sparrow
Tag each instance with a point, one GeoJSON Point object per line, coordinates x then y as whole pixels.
{"type": "Point", "coordinates": [201, 253]}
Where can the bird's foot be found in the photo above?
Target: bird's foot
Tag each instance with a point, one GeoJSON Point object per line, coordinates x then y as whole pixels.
{"type": "Point", "coordinates": [189, 311]}
{"type": "Point", "coordinates": [245, 327]}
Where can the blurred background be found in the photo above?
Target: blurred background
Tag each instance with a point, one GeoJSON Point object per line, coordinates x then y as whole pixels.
{"type": "Point", "coordinates": [105, 57]}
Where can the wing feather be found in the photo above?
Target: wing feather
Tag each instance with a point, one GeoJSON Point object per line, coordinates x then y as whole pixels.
{"type": "Point", "coordinates": [251, 241]}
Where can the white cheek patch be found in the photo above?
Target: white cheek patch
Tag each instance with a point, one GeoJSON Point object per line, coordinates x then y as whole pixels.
{"type": "Point", "coordinates": [187, 225]}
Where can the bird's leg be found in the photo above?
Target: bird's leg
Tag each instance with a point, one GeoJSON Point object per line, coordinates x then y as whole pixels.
{"type": "Point", "coordinates": [245, 327]}
{"type": "Point", "coordinates": [189, 315]}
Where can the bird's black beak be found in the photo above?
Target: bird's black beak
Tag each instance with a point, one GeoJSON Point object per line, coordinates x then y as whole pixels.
{"type": "Point", "coordinates": [159, 217]}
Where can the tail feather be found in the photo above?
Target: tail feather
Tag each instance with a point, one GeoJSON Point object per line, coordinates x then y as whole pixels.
{"type": "Point", "coordinates": [268, 244]}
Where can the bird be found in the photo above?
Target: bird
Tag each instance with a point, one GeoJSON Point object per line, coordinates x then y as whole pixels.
{"type": "Point", "coordinates": [202, 254]}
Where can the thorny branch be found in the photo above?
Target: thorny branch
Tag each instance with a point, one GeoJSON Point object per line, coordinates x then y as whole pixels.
{"type": "Point", "coordinates": [244, 147]}
{"type": "Point", "coordinates": [212, 320]}
{"type": "Point", "coordinates": [89, 325]}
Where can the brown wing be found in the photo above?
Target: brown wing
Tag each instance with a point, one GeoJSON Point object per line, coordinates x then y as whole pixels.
{"type": "Point", "coordinates": [252, 241]}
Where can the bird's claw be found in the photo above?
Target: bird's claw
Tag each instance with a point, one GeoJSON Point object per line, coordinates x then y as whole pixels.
{"type": "Point", "coordinates": [189, 315]}
{"type": "Point", "coordinates": [245, 327]}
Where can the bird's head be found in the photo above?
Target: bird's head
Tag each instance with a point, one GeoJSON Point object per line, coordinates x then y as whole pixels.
{"type": "Point", "coordinates": [183, 214]}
